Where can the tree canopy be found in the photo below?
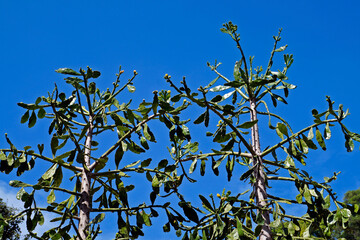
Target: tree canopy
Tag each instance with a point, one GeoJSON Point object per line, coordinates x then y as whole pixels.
{"type": "Point", "coordinates": [352, 231]}
{"type": "Point", "coordinates": [11, 230]}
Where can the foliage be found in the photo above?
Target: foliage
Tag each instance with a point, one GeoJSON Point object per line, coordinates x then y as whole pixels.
{"type": "Point", "coordinates": [352, 231]}
{"type": "Point", "coordinates": [99, 178]}
{"type": "Point", "coordinates": [11, 229]}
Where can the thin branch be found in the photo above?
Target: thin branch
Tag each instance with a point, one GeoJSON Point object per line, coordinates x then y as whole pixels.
{"type": "Point", "coordinates": [269, 150]}
{"type": "Point", "coordinates": [125, 209]}
{"type": "Point", "coordinates": [61, 163]}
{"type": "Point", "coordinates": [126, 135]}
{"type": "Point", "coordinates": [42, 209]}
{"type": "Point", "coordinates": [205, 155]}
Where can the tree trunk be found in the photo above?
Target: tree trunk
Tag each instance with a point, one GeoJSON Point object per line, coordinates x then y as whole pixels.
{"type": "Point", "coordinates": [259, 185]}
{"type": "Point", "coordinates": [85, 201]}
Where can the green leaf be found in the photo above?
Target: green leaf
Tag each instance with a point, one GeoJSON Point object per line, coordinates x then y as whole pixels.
{"type": "Point", "coordinates": [200, 119]}
{"type": "Point", "coordinates": [307, 195]}
{"type": "Point", "coordinates": [166, 227]}
{"type": "Point", "coordinates": [246, 174]}
{"type": "Point", "coordinates": [146, 162]}
{"type": "Point", "coordinates": [155, 182]}
{"type": "Point", "coordinates": [299, 198]}
{"type": "Point", "coordinates": [320, 139]}
{"type": "Point", "coordinates": [131, 88]}
{"type": "Point", "coordinates": [206, 203]}
{"type": "Point", "coordinates": [214, 166]}
{"type": "Point", "coordinates": [202, 167]}
{"type": "Point", "coordinates": [193, 166]}
{"type": "Point", "coordinates": [276, 223]}
{"type": "Point", "coordinates": [281, 129]}
{"type": "Point", "coordinates": [144, 143]}
{"type": "Point", "coordinates": [248, 125]}
{"type": "Point", "coordinates": [41, 113]}
{"type": "Point", "coordinates": [219, 88]}
{"type": "Point", "coordinates": [280, 49]}
{"type": "Point", "coordinates": [189, 212]}
{"type": "Point", "coordinates": [20, 193]}
{"type": "Point", "coordinates": [51, 197]}
{"type": "Point", "coordinates": [310, 134]}
{"type": "Point", "coordinates": [64, 155]}
{"type": "Point", "coordinates": [50, 172]}
{"type": "Point", "coordinates": [118, 155]}
{"type": "Point", "coordinates": [25, 117]}
{"type": "Point", "coordinates": [239, 228]}
{"type": "Point", "coordinates": [32, 120]}
{"type": "Point", "coordinates": [16, 183]}
{"type": "Point", "coordinates": [58, 176]}
{"type": "Point", "coordinates": [99, 218]}
{"type": "Point", "coordinates": [345, 213]}
{"type": "Point", "coordinates": [148, 134]}
{"type": "Point", "coordinates": [54, 143]}
{"type": "Point", "coordinates": [327, 132]}
{"type": "Point", "coordinates": [146, 218]}
{"type": "Point", "coordinates": [135, 148]}
{"type": "Point", "coordinates": [67, 71]}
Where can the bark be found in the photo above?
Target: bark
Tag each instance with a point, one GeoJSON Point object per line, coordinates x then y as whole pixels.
{"type": "Point", "coordinates": [259, 185]}
{"type": "Point", "coordinates": [85, 201]}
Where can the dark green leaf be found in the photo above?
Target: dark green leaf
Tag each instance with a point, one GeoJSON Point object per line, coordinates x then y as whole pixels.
{"type": "Point", "coordinates": [54, 143]}
{"type": "Point", "coordinates": [248, 125]}
{"type": "Point", "coordinates": [206, 203]}
{"type": "Point", "coordinates": [200, 119]}
{"type": "Point", "coordinates": [217, 98]}
{"type": "Point", "coordinates": [162, 164]}
{"type": "Point", "coordinates": [146, 162]}
{"type": "Point", "coordinates": [202, 167]}
{"type": "Point", "coordinates": [246, 174]}
{"type": "Point", "coordinates": [214, 166]}
{"type": "Point", "coordinates": [25, 117]}
{"type": "Point", "coordinates": [41, 113]}
{"type": "Point", "coordinates": [32, 120]}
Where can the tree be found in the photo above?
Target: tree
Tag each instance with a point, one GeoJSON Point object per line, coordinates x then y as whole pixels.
{"type": "Point", "coordinates": [353, 229]}
{"type": "Point", "coordinates": [246, 97]}
{"type": "Point", "coordinates": [10, 230]}
{"type": "Point", "coordinates": [78, 119]}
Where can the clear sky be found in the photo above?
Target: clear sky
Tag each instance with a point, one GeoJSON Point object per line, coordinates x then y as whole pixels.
{"type": "Point", "coordinates": [179, 37]}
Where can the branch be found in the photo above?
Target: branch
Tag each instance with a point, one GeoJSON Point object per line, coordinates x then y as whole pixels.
{"type": "Point", "coordinates": [269, 150]}
{"type": "Point", "coordinates": [125, 209]}
{"type": "Point", "coordinates": [127, 134]}
{"type": "Point", "coordinates": [42, 209]}
{"type": "Point", "coordinates": [200, 156]}
{"type": "Point", "coordinates": [61, 163]}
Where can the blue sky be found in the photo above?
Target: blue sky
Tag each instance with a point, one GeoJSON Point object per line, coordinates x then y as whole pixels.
{"type": "Point", "coordinates": [179, 37]}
